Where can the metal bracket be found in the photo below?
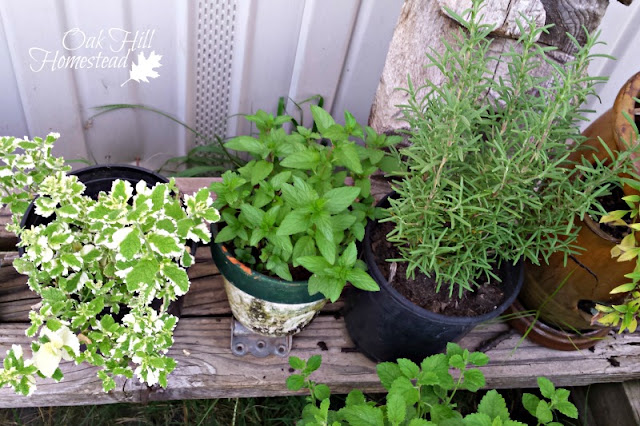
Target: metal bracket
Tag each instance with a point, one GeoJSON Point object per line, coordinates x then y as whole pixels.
{"type": "Point", "coordinates": [244, 341]}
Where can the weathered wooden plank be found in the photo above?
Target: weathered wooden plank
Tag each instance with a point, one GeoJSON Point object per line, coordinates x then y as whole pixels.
{"type": "Point", "coordinates": [207, 369]}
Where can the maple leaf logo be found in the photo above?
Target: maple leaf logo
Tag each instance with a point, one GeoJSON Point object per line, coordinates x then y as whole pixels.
{"type": "Point", "coordinates": [144, 68]}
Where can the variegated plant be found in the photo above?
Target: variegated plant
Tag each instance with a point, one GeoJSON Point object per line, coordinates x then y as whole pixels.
{"type": "Point", "coordinates": [100, 258]}
{"type": "Point", "coordinates": [625, 314]}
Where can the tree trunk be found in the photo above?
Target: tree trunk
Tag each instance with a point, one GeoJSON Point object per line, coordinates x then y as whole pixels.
{"type": "Point", "coordinates": [423, 25]}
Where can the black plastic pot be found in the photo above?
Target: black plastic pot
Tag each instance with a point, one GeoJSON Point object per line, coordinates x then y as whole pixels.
{"type": "Point", "coordinates": [97, 179]}
{"type": "Point", "coordinates": [386, 326]}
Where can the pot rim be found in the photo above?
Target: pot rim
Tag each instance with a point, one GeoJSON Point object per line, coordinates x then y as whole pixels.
{"type": "Point", "coordinates": [251, 275]}
{"type": "Point", "coordinates": [425, 313]}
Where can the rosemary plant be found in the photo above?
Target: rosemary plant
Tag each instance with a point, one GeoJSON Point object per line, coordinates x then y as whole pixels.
{"type": "Point", "coordinates": [488, 177]}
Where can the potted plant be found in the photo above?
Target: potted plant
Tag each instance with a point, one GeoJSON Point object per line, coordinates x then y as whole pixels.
{"type": "Point", "coordinates": [623, 312]}
{"type": "Point", "coordinates": [291, 218]}
{"type": "Point", "coordinates": [564, 313]}
{"type": "Point", "coordinates": [107, 259]}
{"type": "Point", "coordinates": [487, 185]}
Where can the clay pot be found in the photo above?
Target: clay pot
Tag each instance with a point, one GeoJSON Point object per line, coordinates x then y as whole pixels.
{"type": "Point", "coordinates": [563, 295]}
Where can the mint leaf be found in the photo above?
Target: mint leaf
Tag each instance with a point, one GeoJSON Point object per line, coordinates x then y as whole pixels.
{"type": "Point", "coordinates": [322, 118]}
{"type": "Point", "coordinates": [355, 397]}
{"type": "Point", "coordinates": [567, 408]}
{"type": "Point", "coordinates": [315, 264]}
{"type": "Point", "coordinates": [339, 199]}
{"type": "Point", "coordinates": [296, 222]}
{"type": "Point", "coordinates": [261, 169]}
{"type": "Point", "coordinates": [473, 380]}
{"type": "Point", "coordinates": [296, 363]}
{"type": "Point", "coordinates": [405, 388]}
{"type": "Point", "coordinates": [247, 144]}
{"type": "Point", "coordinates": [327, 248]}
{"type": "Point", "coordinates": [303, 160]}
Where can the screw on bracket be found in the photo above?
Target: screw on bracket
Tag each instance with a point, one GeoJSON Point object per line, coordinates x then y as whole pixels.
{"type": "Point", "coordinates": [244, 341]}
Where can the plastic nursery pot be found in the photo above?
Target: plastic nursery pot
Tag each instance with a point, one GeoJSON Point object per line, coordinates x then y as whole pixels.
{"type": "Point", "coordinates": [265, 305]}
{"type": "Point", "coordinates": [385, 325]}
{"type": "Point", "coordinates": [99, 178]}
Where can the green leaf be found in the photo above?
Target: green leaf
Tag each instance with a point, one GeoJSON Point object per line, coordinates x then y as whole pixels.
{"type": "Point", "coordinates": [327, 248]}
{"type": "Point", "coordinates": [302, 248]}
{"type": "Point", "coordinates": [547, 389]}
{"type": "Point", "coordinates": [303, 160]}
{"type": "Point", "coordinates": [143, 274]}
{"type": "Point", "coordinates": [362, 415]}
{"type": "Point", "coordinates": [227, 233]}
{"type": "Point", "coordinates": [421, 422]}
{"type": "Point", "coordinates": [164, 243]}
{"type": "Point", "coordinates": [131, 244]}
{"type": "Point", "coordinates": [313, 363]}
{"type": "Point", "coordinates": [388, 372]}
{"type": "Point", "coordinates": [296, 363]}
{"type": "Point", "coordinates": [493, 405]}
{"type": "Point", "coordinates": [567, 408]}
{"type": "Point", "coordinates": [408, 368]}
{"type": "Point", "coordinates": [247, 144]}
{"type": "Point", "coordinates": [261, 169]}
{"type": "Point", "coordinates": [295, 382]}
{"type": "Point", "coordinates": [252, 215]}
{"type": "Point", "coordinates": [347, 156]}
{"type": "Point", "coordinates": [478, 359]}
{"type": "Point", "coordinates": [329, 287]}
{"type": "Point", "coordinates": [322, 118]}
{"type": "Point", "coordinates": [543, 412]}
{"type": "Point", "coordinates": [355, 397]}
{"type": "Point", "coordinates": [315, 264]}
{"type": "Point", "coordinates": [339, 199]}
{"type": "Point", "coordinates": [473, 380]}
{"type": "Point", "coordinates": [296, 222]}
{"type": "Point", "coordinates": [406, 389]}
{"type": "Point", "coordinates": [321, 392]}
{"type": "Point", "coordinates": [530, 403]}
{"type": "Point", "coordinates": [177, 275]}
{"type": "Point", "coordinates": [362, 280]}
{"type": "Point", "coordinates": [396, 409]}
{"type": "Point", "coordinates": [477, 419]}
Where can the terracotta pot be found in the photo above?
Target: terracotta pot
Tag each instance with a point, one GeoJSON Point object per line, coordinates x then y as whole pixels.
{"type": "Point", "coordinates": [589, 277]}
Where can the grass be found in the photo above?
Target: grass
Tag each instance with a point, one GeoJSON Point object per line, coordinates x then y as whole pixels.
{"type": "Point", "coordinates": [239, 412]}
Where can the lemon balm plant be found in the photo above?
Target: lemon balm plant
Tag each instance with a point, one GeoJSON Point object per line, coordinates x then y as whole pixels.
{"type": "Point", "coordinates": [99, 265]}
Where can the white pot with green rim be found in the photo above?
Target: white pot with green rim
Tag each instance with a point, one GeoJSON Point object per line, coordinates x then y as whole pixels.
{"type": "Point", "coordinates": [265, 305]}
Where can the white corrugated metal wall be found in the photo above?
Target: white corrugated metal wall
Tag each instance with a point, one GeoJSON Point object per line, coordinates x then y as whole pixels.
{"type": "Point", "coordinates": [219, 58]}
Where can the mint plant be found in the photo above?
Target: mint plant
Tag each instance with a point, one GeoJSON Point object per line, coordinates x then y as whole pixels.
{"type": "Point", "coordinates": [423, 395]}
{"type": "Point", "coordinates": [97, 260]}
{"type": "Point", "coordinates": [488, 174]}
{"type": "Point", "coordinates": [291, 205]}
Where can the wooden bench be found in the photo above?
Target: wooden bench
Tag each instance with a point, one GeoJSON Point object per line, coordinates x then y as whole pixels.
{"type": "Point", "coordinates": [208, 369]}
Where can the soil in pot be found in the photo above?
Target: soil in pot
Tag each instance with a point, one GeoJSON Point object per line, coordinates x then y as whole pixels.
{"type": "Point", "coordinates": [422, 290]}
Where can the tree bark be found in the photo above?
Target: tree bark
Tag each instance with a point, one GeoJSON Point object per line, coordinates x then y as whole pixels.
{"type": "Point", "coordinates": [423, 25]}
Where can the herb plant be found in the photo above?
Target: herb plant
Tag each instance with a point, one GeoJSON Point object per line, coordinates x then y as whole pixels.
{"type": "Point", "coordinates": [95, 261]}
{"type": "Point", "coordinates": [488, 174]}
{"type": "Point", "coordinates": [291, 206]}
{"type": "Point", "coordinates": [423, 394]}
{"type": "Point", "coordinates": [625, 314]}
